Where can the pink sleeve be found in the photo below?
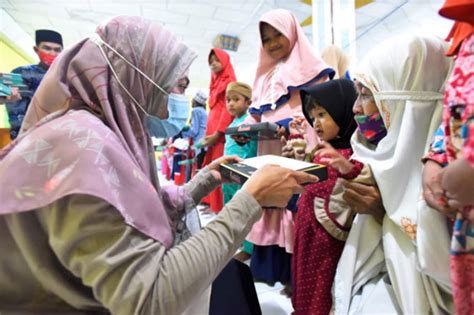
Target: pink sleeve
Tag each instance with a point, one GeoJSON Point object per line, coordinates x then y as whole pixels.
{"type": "Point", "coordinates": [251, 119]}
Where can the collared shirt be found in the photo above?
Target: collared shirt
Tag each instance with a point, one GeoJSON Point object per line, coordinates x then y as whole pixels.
{"type": "Point", "coordinates": [32, 76]}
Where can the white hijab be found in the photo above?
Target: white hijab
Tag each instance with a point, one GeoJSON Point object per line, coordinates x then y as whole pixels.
{"type": "Point", "coordinates": [407, 76]}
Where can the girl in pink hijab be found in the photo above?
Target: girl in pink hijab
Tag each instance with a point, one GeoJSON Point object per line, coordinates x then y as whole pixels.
{"type": "Point", "coordinates": [286, 64]}
{"type": "Point", "coordinates": [84, 221]}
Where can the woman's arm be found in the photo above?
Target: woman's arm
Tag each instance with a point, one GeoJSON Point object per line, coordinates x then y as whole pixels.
{"type": "Point", "coordinates": [130, 273]}
{"type": "Point", "coordinates": [365, 199]}
{"type": "Point", "coordinates": [363, 195]}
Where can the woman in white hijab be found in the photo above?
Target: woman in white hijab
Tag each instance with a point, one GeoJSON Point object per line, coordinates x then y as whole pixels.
{"type": "Point", "coordinates": [397, 261]}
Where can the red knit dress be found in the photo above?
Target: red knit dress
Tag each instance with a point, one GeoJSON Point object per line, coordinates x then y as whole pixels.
{"type": "Point", "coordinates": [316, 252]}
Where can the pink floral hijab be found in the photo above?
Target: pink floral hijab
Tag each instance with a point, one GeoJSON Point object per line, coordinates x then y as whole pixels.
{"type": "Point", "coordinates": [300, 67]}
{"type": "Point", "coordinates": [82, 134]}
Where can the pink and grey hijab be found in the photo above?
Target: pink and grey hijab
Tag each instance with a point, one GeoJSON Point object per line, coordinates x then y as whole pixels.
{"type": "Point", "coordinates": [83, 135]}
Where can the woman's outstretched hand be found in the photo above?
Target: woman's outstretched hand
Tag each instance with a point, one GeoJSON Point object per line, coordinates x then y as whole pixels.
{"type": "Point", "coordinates": [214, 167]}
{"type": "Point", "coordinates": [273, 186]}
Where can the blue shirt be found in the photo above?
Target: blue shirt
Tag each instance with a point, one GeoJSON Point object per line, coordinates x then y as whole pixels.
{"type": "Point", "coordinates": [197, 129]}
{"type": "Point", "coordinates": [232, 148]}
{"type": "Point", "coordinates": [32, 76]}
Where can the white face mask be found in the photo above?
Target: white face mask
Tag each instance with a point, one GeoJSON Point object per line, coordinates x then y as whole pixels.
{"type": "Point", "coordinates": [156, 127]}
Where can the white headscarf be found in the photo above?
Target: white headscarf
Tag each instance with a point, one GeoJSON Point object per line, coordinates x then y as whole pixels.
{"type": "Point", "coordinates": [407, 76]}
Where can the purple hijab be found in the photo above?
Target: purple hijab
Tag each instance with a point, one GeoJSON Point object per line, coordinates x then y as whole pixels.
{"type": "Point", "coordinates": [83, 135]}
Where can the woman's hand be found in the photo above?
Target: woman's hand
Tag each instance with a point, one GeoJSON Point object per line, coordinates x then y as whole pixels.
{"type": "Point", "coordinates": [330, 156]}
{"type": "Point", "coordinates": [273, 186]}
{"type": "Point", "coordinates": [433, 193]}
{"type": "Point", "coordinates": [364, 199]}
{"type": "Point", "coordinates": [457, 179]}
{"type": "Point", "coordinates": [214, 167]}
{"type": "Point", "coordinates": [211, 140]}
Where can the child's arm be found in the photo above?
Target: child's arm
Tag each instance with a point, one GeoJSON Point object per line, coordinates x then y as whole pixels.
{"type": "Point", "coordinates": [225, 119]}
{"type": "Point", "coordinates": [331, 157]}
{"type": "Point", "coordinates": [194, 128]}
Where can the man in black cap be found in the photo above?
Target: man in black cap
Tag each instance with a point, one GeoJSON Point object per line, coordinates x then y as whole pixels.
{"type": "Point", "coordinates": [48, 46]}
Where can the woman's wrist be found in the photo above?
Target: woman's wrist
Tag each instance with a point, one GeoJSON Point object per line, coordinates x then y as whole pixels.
{"type": "Point", "coordinates": [378, 215]}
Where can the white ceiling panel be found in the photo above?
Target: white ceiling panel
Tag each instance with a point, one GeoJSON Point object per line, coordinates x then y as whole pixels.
{"type": "Point", "coordinates": [198, 22]}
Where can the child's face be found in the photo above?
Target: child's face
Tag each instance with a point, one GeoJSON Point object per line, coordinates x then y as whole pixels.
{"type": "Point", "coordinates": [274, 42]}
{"type": "Point", "coordinates": [215, 64]}
{"type": "Point", "coordinates": [323, 124]}
{"type": "Point", "coordinates": [237, 104]}
{"type": "Point", "coordinates": [365, 102]}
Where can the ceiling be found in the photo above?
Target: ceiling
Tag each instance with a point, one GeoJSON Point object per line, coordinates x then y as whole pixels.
{"type": "Point", "coordinates": [198, 22]}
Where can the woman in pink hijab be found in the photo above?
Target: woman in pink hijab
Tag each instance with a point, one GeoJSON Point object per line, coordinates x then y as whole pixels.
{"type": "Point", "coordinates": [286, 64]}
{"type": "Point", "coordinates": [84, 221]}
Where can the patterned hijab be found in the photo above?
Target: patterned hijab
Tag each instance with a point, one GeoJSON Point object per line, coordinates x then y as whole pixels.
{"type": "Point", "coordinates": [82, 134]}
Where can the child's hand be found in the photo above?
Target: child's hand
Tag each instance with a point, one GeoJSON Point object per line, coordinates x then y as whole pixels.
{"type": "Point", "coordinates": [297, 126]}
{"type": "Point", "coordinates": [287, 150]}
{"type": "Point", "coordinates": [330, 156]}
{"type": "Point", "coordinates": [241, 140]}
{"type": "Point", "coordinates": [211, 140]}
{"type": "Point", "coordinates": [15, 96]}
{"type": "Point", "coordinates": [292, 152]}
{"type": "Point", "coordinates": [281, 131]}
{"type": "Point", "coordinates": [457, 179]}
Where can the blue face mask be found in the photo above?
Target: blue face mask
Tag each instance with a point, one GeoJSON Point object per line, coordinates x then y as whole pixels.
{"type": "Point", "coordinates": [178, 111]}
{"type": "Point", "coordinates": [178, 105]}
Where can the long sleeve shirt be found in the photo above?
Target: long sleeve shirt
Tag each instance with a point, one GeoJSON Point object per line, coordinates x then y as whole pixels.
{"type": "Point", "coordinates": [32, 76]}
{"type": "Point", "coordinates": [77, 256]}
{"type": "Point", "coordinates": [197, 130]}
